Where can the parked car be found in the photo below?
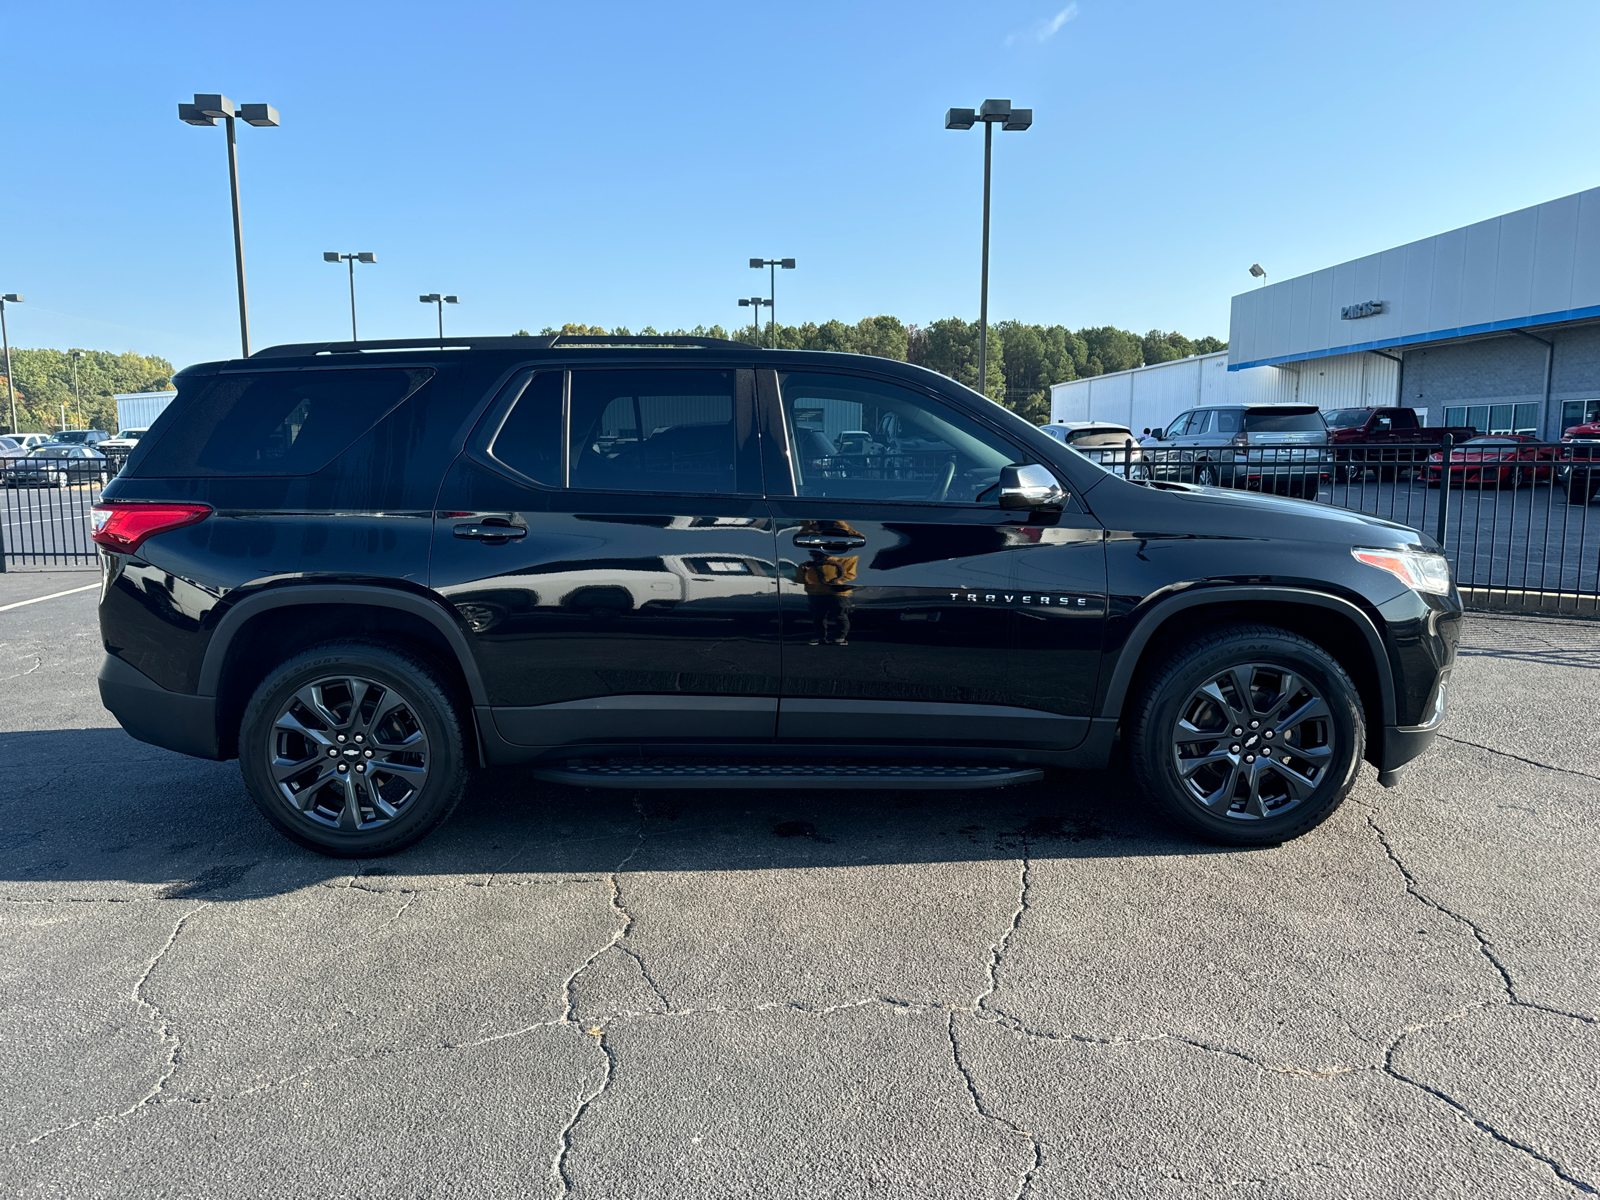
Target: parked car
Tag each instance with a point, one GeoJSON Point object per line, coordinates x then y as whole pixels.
{"type": "Point", "coordinates": [78, 437]}
{"type": "Point", "coordinates": [1101, 442]}
{"type": "Point", "coordinates": [125, 441]}
{"type": "Point", "coordinates": [1503, 460]}
{"type": "Point", "coordinates": [1392, 441]}
{"type": "Point", "coordinates": [11, 447]}
{"type": "Point", "coordinates": [1271, 447]}
{"type": "Point", "coordinates": [1580, 446]}
{"type": "Point", "coordinates": [57, 466]}
{"type": "Point", "coordinates": [31, 440]}
{"type": "Point", "coordinates": [363, 575]}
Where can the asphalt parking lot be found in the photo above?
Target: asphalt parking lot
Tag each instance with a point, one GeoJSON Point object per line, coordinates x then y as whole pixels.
{"type": "Point", "coordinates": [1034, 992]}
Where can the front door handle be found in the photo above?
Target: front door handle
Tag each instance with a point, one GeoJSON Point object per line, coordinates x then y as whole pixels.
{"type": "Point", "coordinates": [491, 531]}
{"type": "Point", "coordinates": [824, 541]}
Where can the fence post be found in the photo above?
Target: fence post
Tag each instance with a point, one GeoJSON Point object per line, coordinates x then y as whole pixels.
{"type": "Point", "coordinates": [1446, 445]}
{"type": "Point", "coordinates": [1127, 458]}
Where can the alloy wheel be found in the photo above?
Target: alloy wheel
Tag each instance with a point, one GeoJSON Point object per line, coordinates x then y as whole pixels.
{"type": "Point", "coordinates": [1252, 742]}
{"type": "Point", "coordinates": [348, 753]}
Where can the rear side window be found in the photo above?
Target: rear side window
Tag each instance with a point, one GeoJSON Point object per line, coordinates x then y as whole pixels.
{"type": "Point", "coordinates": [278, 422]}
{"type": "Point", "coordinates": [1227, 420]}
{"type": "Point", "coordinates": [1284, 420]}
{"type": "Point", "coordinates": [654, 431]}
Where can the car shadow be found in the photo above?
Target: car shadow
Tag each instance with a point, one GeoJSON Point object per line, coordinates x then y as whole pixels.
{"type": "Point", "coordinates": [91, 813]}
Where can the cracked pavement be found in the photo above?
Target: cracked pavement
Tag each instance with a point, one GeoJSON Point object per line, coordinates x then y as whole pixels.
{"type": "Point", "coordinates": [1037, 992]}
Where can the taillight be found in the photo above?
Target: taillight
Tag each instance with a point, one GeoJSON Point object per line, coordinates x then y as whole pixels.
{"type": "Point", "coordinates": [124, 525]}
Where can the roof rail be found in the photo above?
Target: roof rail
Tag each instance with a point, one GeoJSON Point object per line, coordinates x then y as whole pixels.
{"type": "Point", "coordinates": [540, 342]}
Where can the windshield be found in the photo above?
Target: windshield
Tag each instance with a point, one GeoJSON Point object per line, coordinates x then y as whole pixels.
{"type": "Point", "coordinates": [130, 435]}
{"type": "Point", "coordinates": [1343, 418]}
{"type": "Point", "coordinates": [47, 451]}
{"type": "Point", "coordinates": [1489, 441]}
{"type": "Point", "coordinates": [1283, 420]}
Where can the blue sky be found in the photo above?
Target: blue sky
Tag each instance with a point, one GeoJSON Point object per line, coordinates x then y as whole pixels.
{"type": "Point", "coordinates": [619, 164]}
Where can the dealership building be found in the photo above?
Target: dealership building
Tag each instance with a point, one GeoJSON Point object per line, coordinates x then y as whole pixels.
{"type": "Point", "coordinates": [1494, 325]}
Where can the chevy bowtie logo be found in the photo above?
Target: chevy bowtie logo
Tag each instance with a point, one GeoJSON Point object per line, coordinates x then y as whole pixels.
{"type": "Point", "coordinates": [1052, 600]}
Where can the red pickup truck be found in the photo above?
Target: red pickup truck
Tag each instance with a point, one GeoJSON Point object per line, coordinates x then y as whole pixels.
{"type": "Point", "coordinates": [1390, 441]}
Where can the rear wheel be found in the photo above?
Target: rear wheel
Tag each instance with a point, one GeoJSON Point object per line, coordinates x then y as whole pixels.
{"type": "Point", "coordinates": [353, 750]}
{"type": "Point", "coordinates": [1250, 736]}
{"type": "Point", "coordinates": [1581, 484]}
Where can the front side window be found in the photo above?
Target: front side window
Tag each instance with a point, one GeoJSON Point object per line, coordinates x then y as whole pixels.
{"type": "Point", "coordinates": [656, 430]}
{"type": "Point", "coordinates": [861, 439]}
{"type": "Point", "coordinates": [1179, 424]}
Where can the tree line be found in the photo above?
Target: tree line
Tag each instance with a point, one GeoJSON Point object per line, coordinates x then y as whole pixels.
{"type": "Point", "coordinates": [1024, 359]}
{"type": "Point", "coordinates": [44, 385]}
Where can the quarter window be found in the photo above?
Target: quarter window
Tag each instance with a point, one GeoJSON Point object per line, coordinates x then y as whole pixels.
{"type": "Point", "coordinates": [860, 439]}
{"type": "Point", "coordinates": [529, 439]}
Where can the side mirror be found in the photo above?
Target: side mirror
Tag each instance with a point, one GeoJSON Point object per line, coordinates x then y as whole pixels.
{"type": "Point", "coordinates": [1029, 486]}
{"type": "Point", "coordinates": [1158, 434]}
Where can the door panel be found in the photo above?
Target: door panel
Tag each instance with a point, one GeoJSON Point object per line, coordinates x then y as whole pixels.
{"type": "Point", "coordinates": [901, 579]}
{"type": "Point", "coordinates": [604, 615]}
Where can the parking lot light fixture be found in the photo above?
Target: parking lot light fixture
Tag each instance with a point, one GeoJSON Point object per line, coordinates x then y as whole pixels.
{"type": "Point", "coordinates": [5, 335]}
{"type": "Point", "coordinates": [1257, 271]}
{"type": "Point", "coordinates": [755, 302]}
{"type": "Point", "coordinates": [365, 256]}
{"type": "Point", "coordinates": [990, 113]}
{"type": "Point", "coordinates": [77, 396]}
{"type": "Point", "coordinates": [441, 301]}
{"type": "Point", "coordinates": [772, 291]}
{"type": "Point", "coordinates": [208, 110]}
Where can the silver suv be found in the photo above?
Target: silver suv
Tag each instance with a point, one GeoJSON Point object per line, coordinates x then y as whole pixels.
{"type": "Point", "coordinates": [1274, 447]}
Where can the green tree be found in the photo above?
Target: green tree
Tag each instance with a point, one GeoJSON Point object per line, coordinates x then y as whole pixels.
{"type": "Point", "coordinates": [44, 384]}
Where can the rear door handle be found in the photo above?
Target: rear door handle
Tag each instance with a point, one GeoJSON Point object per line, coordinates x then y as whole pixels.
{"type": "Point", "coordinates": [488, 532]}
{"type": "Point", "coordinates": [817, 541]}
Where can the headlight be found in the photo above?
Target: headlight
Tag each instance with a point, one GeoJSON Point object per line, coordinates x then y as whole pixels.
{"type": "Point", "coordinates": [1419, 570]}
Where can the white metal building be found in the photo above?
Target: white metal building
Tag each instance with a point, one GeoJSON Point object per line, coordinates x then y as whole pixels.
{"type": "Point", "coordinates": [1495, 325]}
{"type": "Point", "coordinates": [139, 410]}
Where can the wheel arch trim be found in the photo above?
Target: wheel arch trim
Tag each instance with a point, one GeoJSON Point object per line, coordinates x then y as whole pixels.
{"type": "Point", "coordinates": [353, 595]}
{"type": "Point", "coordinates": [1133, 649]}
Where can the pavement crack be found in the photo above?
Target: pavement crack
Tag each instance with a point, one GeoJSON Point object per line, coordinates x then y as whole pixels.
{"type": "Point", "coordinates": [1480, 1124]}
{"type": "Point", "coordinates": [558, 1168]}
{"type": "Point", "coordinates": [1414, 887]}
{"type": "Point", "coordinates": [153, 1011]}
{"type": "Point", "coordinates": [1532, 762]}
{"type": "Point", "coordinates": [998, 950]}
{"type": "Point", "coordinates": [1025, 1183]}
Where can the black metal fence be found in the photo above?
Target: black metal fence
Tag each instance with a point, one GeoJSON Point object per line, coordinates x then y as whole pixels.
{"type": "Point", "coordinates": [1519, 520]}
{"type": "Point", "coordinates": [44, 508]}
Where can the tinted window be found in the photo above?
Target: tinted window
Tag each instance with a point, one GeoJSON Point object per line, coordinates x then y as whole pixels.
{"type": "Point", "coordinates": [529, 439]}
{"type": "Point", "coordinates": [278, 422]}
{"type": "Point", "coordinates": [1294, 420]}
{"type": "Point", "coordinates": [1226, 420]}
{"type": "Point", "coordinates": [859, 439]}
{"type": "Point", "coordinates": [1198, 423]}
{"type": "Point", "coordinates": [654, 431]}
{"type": "Point", "coordinates": [7, 444]}
{"type": "Point", "coordinates": [1346, 418]}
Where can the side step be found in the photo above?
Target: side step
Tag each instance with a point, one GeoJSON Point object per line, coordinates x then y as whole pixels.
{"type": "Point", "coordinates": [631, 773]}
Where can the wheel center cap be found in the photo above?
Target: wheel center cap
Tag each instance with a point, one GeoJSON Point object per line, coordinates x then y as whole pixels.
{"type": "Point", "coordinates": [351, 753]}
{"type": "Point", "coordinates": [1249, 741]}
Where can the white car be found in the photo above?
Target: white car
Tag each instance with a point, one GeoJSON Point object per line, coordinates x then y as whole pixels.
{"type": "Point", "coordinates": [124, 441]}
{"type": "Point", "coordinates": [1101, 442]}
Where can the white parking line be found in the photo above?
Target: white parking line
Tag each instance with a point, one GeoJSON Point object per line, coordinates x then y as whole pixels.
{"type": "Point", "coordinates": [53, 595]}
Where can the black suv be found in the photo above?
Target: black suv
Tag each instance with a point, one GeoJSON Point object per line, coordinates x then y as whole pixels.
{"type": "Point", "coordinates": [366, 568]}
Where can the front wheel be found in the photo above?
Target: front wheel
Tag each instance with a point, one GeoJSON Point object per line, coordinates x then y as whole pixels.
{"type": "Point", "coordinates": [353, 750]}
{"type": "Point", "coordinates": [1249, 736]}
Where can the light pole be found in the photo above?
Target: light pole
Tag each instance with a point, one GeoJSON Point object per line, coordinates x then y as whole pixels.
{"type": "Point", "coordinates": [441, 301]}
{"type": "Point", "coordinates": [788, 265]}
{"type": "Point", "coordinates": [756, 302]}
{"type": "Point", "coordinates": [1259, 273]}
{"type": "Point", "coordinates": [205, 111]}
{"type": "Point", "coordinates": [5, 335]}
{"type": "Point", "coordinates": [365, 256]}
{"type": "Point", "coordinates": [77, 396]}
{"type": "Point", "coordinates": [991, 113]}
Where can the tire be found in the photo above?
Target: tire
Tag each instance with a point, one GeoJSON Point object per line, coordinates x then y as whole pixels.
{"type": "Point", "coordinates": [1206, 476]}
{"type": "Point", "coordinates": [353, 814]}
{"type": "Point", "coordinates": [1283, 797]}
{"type": "Point", "coordinates": [1580, 487]}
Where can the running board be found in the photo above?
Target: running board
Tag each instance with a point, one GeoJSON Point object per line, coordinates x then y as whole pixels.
{"type": "Point", "coordinates": [613, 773]}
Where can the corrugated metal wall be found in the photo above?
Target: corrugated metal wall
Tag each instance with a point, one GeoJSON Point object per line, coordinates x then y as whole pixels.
{"type": "Point", "coordinates": [1149, 397]}
{"type": "Point", "coordinates": [139, 410]}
